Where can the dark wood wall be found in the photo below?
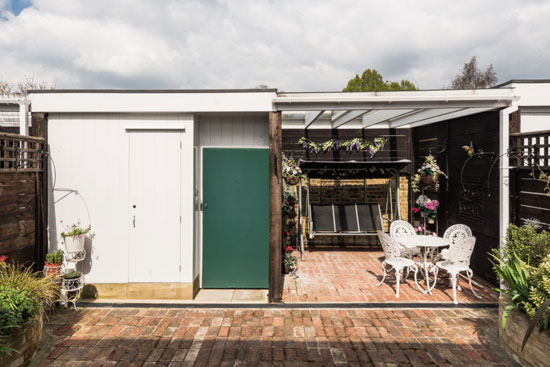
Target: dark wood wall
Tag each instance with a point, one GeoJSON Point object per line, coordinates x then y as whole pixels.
{"type": "Point", "coordinates": [475, 204]}
{"type": "Point", "coordinates": [398, 145]}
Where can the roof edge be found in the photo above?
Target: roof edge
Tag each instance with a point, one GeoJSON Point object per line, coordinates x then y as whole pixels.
{"type": "Point", "coordinates": [137, 91]}
{"type": "Point", "coordinates": [523, 81]}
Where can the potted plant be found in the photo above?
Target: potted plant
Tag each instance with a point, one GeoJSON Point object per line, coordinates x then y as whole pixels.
{"type": "Point", "coordinates": [427, 208]}
{"type": "Point", "coordinates": [428, 174]}
{"type": "Point", "coordinates": [291, 172]}
{"type": "Point", "coordinates": [74, 237]}
{"type": "Point", "coordinates": [72, 281]}
{"type": "Point", "coordinates": [290, 262]}
{"type": "Point", "coordinates": [54, 261]}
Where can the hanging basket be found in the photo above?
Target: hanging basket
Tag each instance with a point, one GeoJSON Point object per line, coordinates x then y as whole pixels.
{"type": "Point", "coordinates": [428, 179]}
{"type": "Point", "coordinates": [292, 180]}
{"type": "Point", "coordinates": [75, 243]}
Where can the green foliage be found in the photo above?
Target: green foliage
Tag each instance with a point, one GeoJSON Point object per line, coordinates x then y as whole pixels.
{"type": "Point", "coordinates": [524, 267]}
{"type": "Point", "coordinates": [55, 257]}
{"type": "Point", "coordinates": [72, 275]}
{"type": "Point", "coordinates": [16, 307]}
{"type": "Point", "coordinates": [530, 245]}
{"type": "Point", "coordinates": [372, 81]}
{"type": "Point", "coordinates": [75, 230]}
{"type": "Point", "coordinates": [429, 167]}
{"type": "Point", "coordinates": [350, 145]}
{"type": "Point", "coordinates": [43, 289]}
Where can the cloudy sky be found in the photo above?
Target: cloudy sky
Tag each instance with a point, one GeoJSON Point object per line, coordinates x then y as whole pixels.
{"type": "Point", "coordinates": [292, 45]}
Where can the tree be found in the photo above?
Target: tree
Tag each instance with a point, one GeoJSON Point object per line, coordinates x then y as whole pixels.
{"type": "Point", "coordinates": [372, 81]}
{"type": "Point", "coordinates": [473, 78]}
{"type": "Point", "coordinates": [24, 86]}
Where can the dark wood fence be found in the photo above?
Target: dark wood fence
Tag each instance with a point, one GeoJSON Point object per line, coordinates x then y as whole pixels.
{"type": "Point", "coordinates": [22, 201]}
{"type": "Point", "coordinates": [530, 203]}
{"type": "Point", "coordinates": [471, 195]}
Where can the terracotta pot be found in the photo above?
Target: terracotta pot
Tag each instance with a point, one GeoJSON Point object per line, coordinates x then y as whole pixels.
{"type": "Point", "coordinates": [52, 270]}
{"type": "Point", "coordinates": [429, 179]}
{"type": "Point", "coordinates": [292, 180]}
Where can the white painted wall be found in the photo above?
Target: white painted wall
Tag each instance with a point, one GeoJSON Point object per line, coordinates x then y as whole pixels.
{"type": "Point", "coordinates": [90, 152]}
{"type": "Point", "coordinates": [234, 130]}
{"type": "Point", "coordinates": [534, 104]}
{"type": "Point", "coordinates": [150, 101]}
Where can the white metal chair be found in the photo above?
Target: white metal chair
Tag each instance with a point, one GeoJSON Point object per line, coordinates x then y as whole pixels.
{"type": "Point", "coordinates": [458, 260]}
{"type": "Point", "coordinates": [393, 258]}
{"type": "Point", "coordinates": [400, 228]}
{"type": "Point", "coordinates": [453, 234]}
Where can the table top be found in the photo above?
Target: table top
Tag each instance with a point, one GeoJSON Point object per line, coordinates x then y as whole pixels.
{"type": "Point", "coordinates": [421, 240]}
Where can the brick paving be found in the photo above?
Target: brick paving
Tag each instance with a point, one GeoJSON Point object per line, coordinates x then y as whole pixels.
{"type": "Point", "coordinates": [273, 337]}
{"type": "Point", "coordinates": [351, 276]}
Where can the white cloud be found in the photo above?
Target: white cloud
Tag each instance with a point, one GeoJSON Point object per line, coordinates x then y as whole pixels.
{"type": "Point", "coordinates": [292, 45]}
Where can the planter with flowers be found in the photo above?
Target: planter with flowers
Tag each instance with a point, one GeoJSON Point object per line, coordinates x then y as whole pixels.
{"type": "Point", "coordinates": [74, 237]}
{"type": "Point", "coordinates": [291, 172]}
{"type": "Point", "coordinates": [54, 263]}
{"type": "Point", "coordinates": [290, 262]}
{"type": "Point", "coordinates": [427, 175]}
{"type": "Point", "coordinates": [427, 208]}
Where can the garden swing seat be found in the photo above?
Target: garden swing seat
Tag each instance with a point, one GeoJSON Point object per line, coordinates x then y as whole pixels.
{"type": "Point", "coordinates": [363, 219]}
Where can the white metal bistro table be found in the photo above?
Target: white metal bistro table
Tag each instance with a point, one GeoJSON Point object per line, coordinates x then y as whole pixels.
{"type": "Point", "coordinates": [427, 244]}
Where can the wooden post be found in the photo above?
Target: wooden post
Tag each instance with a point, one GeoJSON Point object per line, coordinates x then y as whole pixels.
{"type": "Point", "coordinates": [40, 129]}
{"type": "Point", "coordinates": [275, 208]}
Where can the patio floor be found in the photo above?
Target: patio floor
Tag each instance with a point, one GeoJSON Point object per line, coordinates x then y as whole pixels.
{"type": "Point", "coordinates": [147, 337]}
{"type": "Point", "coordinates": [351, 276]}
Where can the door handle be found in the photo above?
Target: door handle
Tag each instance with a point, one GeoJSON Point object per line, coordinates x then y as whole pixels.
{"type": "Point", "coordinates": [204, 206]}
{"type": "Point", "coordinates": [134, 221]}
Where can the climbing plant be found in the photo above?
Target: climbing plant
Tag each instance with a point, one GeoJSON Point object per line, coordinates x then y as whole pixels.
{"type": "Point", "coordinates": [351, 145]}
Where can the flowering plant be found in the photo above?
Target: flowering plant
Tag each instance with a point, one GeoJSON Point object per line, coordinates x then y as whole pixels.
{"type": "Point", "coordinates": [3, 258]}
{"type": "Point", "coordinates": [427, 206]}
{"type": "Point", "coordinates": [420, 229]}
{"type": "Point", "coordinates": [428, 168]}
{"type": "Point", "coordinates": [74, 230]}
{"type": "Point", "coordinates": [290, 168]}
{"type": "Point", "coordinates": [331, 145]}
{"type": "Point", "coordinates": [290, 262]}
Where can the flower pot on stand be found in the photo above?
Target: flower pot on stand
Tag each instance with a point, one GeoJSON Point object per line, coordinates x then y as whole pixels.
{"type": "Point", "coordinates": [52, 270]}
{"type": "Point", "coordinates": [75, 243]}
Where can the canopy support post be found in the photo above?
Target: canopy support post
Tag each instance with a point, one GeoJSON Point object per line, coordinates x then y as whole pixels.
{"type": "Point", "coordinates": [300, 229]}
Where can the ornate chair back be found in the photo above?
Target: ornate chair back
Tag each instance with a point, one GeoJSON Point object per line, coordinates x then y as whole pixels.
{"type": "Point", "coordinates": [399, 228]}
{"type": "Point", "coordinates": [461, 251]}
{"type": "Point", "coordinates": [457, 232]}
{"type": "Point", "coordinates": [390, 246]}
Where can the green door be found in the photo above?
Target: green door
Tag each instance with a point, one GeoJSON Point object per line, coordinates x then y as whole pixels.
{"type": "Point", "coordinates": [235, 218]}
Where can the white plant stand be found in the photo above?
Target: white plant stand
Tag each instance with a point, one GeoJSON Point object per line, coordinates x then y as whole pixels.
{"type": "Point", "coordinates": [70, 288]}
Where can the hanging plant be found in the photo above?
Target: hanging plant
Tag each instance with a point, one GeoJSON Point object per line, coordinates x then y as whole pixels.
{"type": "Point", "coordinates": [291, 172]}
{"type": "Point", "coordinates": [428, 174]}
{"type": "Point", "coordinates": [355, 144]}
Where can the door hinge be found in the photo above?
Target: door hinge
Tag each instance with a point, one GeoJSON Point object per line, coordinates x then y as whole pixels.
{"type": "Point", "coordinates": [180, 218]}
{"type": "Point", "coordinates": [180, 268]}
{"type": "Point", "coordinates": [181, 145]}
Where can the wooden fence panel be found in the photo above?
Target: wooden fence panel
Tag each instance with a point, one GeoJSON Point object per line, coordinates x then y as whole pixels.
{"type": "Point", "coordinates": [22, 212]}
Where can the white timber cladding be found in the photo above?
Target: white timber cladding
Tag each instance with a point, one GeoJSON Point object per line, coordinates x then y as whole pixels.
{"type": "Point", "coordinates": [534, 105]}
{"type": "Point", "coordinates": [147, 102]}
{"type": "Point", "coordinates": [243, 130]}
{"type": "Point", "coordinates": [90, 152]}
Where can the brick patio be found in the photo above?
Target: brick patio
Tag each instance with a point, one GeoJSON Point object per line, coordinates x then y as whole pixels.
{"type": "Point", "coordinates": [351, 276]}
{"type": "Point", "coordinates": [271, 337]}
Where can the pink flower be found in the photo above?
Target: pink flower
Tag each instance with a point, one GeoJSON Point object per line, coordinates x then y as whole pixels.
{"type": "Point", "coordinates": [3, 258]}
{"type": "Point", "coordinates": [415, 210]}
{"type": "Point", "coordinates": [289, 249]}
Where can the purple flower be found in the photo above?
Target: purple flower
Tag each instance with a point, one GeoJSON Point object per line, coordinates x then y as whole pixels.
{"type": "Point", "coordinates": [304, 144]}
{"type": "Point", "coordinates": [336, 145]}
{"type": "Point", "coordinates": [357, 145]}
{"type": "Point", "coordinates": [371, 152]}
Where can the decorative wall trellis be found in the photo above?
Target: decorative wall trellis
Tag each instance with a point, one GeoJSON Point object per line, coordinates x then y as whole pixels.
{"type": "Point", "coordinates": [530, 203]}
{"type": "Point", "coordinates": [20, 153]}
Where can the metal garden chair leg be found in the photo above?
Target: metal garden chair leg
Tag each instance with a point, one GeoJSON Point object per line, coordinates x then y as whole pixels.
{"type": "Point", "coordinates": [470, 274]}
{"type": "Point", "coordinates": [384, 277]}
{"type": "Point", "coordinates": [454, 281]}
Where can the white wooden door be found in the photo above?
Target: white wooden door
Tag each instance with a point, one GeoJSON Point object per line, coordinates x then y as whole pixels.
{"type": "Point", "coordinates": [154, 206]}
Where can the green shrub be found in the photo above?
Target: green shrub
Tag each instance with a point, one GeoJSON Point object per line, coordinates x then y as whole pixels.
{"type": "Point", "coordinates": [55, 257]}
{"type": "Point", "coordinates": [43, 289]}
{"type": "Point", "coordinates": [530, 245]}
{"type": "Point", "coordinates": [16, 307]}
